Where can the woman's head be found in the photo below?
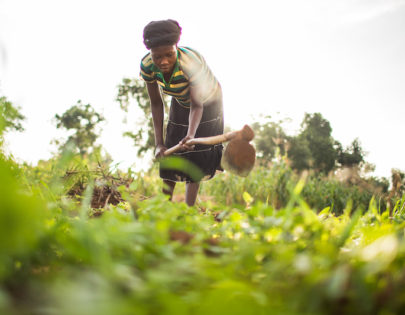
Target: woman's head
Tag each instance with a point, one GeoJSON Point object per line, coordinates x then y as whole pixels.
{"type": "Point", "coordinates": [161, 37]}
{"type": "Point", "coordinates": [161, 33]}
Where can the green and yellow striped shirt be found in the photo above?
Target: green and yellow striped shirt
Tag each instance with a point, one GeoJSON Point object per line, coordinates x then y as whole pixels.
{"type": "Point", "coordinates": [190, 70]}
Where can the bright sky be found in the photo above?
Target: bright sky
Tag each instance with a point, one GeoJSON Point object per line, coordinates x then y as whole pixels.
{"type": "Point", "coordinates": [342, 58]}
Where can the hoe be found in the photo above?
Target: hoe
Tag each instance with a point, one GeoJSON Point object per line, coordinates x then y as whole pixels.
{"type": "Point", "coordinates": [239, 156]}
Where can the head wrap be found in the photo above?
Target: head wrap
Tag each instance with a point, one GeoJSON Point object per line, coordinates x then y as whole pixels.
{"type": "Point", "coordinates": [160, 33]}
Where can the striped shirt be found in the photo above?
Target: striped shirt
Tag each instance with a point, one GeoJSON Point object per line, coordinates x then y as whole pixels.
{"type": "Point", "coordinates": [190, 70]}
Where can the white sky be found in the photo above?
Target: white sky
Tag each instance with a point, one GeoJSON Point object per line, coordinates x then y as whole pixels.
{"type": "Point", "coordinates": [342, 58]}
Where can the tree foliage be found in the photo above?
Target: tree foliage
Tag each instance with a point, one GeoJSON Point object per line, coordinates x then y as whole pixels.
{"type": "Point", "coordinates": [313, 148]}
{"type": "Point", "coordinates": [269, 137]}
{"type": "Point", "coordinates": [299, 153]}
{"type": "Point", "coordinates": [352, 155]}
{"type": "Point", "coordinates": [10, 117]}
{"type": "Point", "coordinates": [83, 120]}
{"type": "Point", "coordinates": [316, 130]}
{"type": "Point", "coordinates": [143, 133]}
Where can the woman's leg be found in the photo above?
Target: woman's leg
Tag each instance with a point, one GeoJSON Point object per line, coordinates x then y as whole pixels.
{"type": "Point", "coordinates": [191, 193]}
{"type": "Point", "coordinates": [168, 187]}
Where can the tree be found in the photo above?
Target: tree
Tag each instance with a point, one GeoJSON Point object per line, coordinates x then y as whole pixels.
{"type": "Point", "coordinates": [316, 134]}
{"type": "Point", "coordinates": [10, 117]}
{"type": "Point", "coordinates": [299, 153]}
{"type": "Point", "coordinates": [268, 137]}
{"type": "Point", "coordinates": [143, 135]}
{"type": "Point", "coordinates": [352, 155]}
{"type": "Point", "coordinates": [83, 119]}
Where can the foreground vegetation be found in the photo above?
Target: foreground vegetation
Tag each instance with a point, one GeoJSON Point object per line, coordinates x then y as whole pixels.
{"type": "Point", "coordinates": [272, 243]}
{"type": "Point", "coordinates": [306, 233]}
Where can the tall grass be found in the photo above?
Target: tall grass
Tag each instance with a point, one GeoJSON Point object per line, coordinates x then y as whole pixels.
{"type": "Point", "coordinates": [273, 185]}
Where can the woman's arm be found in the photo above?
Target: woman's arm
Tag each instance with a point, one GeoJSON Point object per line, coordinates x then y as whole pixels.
{"type": "Point", "coordinates": [157, 109]}
{"type": "Point", "coordinates": [194, 119]}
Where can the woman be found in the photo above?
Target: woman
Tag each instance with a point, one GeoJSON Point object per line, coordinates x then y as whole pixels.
{"type": "Point", "coordinates": [196, 106]}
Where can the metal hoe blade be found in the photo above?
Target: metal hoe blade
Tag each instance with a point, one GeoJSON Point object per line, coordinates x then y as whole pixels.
{"type": "Point", "coordinates": [239, 157]}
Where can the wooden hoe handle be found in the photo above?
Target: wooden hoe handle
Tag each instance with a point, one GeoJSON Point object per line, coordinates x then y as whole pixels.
{"type": "Point", "coordinates": [245, 133]}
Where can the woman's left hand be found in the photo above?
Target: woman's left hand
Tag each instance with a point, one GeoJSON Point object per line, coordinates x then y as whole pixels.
{"type": "Point", "coordinates": [184, 146]}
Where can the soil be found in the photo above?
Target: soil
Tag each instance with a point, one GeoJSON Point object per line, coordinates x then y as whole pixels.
{"type": "Point", "coordinates": [105, 195]}
{"type": "Point", "coordinates": [181, 236]}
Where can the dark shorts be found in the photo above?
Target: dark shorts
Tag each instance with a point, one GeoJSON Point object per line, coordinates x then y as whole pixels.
{"type": "Point", "coordinates": [204, 157]}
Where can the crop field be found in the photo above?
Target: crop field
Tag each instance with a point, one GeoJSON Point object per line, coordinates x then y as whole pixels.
{"type": "Point", "coordinates": [282, 119]}
{"type": "Point", "coordinates": [76, 241]}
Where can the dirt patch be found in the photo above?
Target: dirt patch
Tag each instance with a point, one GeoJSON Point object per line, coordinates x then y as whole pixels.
{"type": "Point", "coordinates": [180, 236]}
{"type": "Point", "coordinates": [211, 245]}
{"type": "Point", "coordinates": [105, 189]}
{"type": "Point", "coordinates": [105, 195]}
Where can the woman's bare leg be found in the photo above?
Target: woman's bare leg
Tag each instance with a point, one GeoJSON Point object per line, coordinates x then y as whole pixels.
{"type": "Point", "coordinates": [191, 193]}
{"type": "Point", "coordinates": [168, 188]}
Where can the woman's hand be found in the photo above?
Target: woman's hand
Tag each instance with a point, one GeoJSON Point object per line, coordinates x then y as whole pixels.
{"type": "Point", "coordinates": [183, 144]}
{"type": "Point", "coordinates": [159, 150]}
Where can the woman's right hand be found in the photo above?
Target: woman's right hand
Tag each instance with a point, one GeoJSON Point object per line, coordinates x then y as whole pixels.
{"type": "Point", "coordinates": [159, 150]}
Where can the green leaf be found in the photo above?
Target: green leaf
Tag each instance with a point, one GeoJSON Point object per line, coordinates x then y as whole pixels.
{"type": "Point", "coordinates": [247, 198]}
{"type": "Point", "coordinates": [182, 165]}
